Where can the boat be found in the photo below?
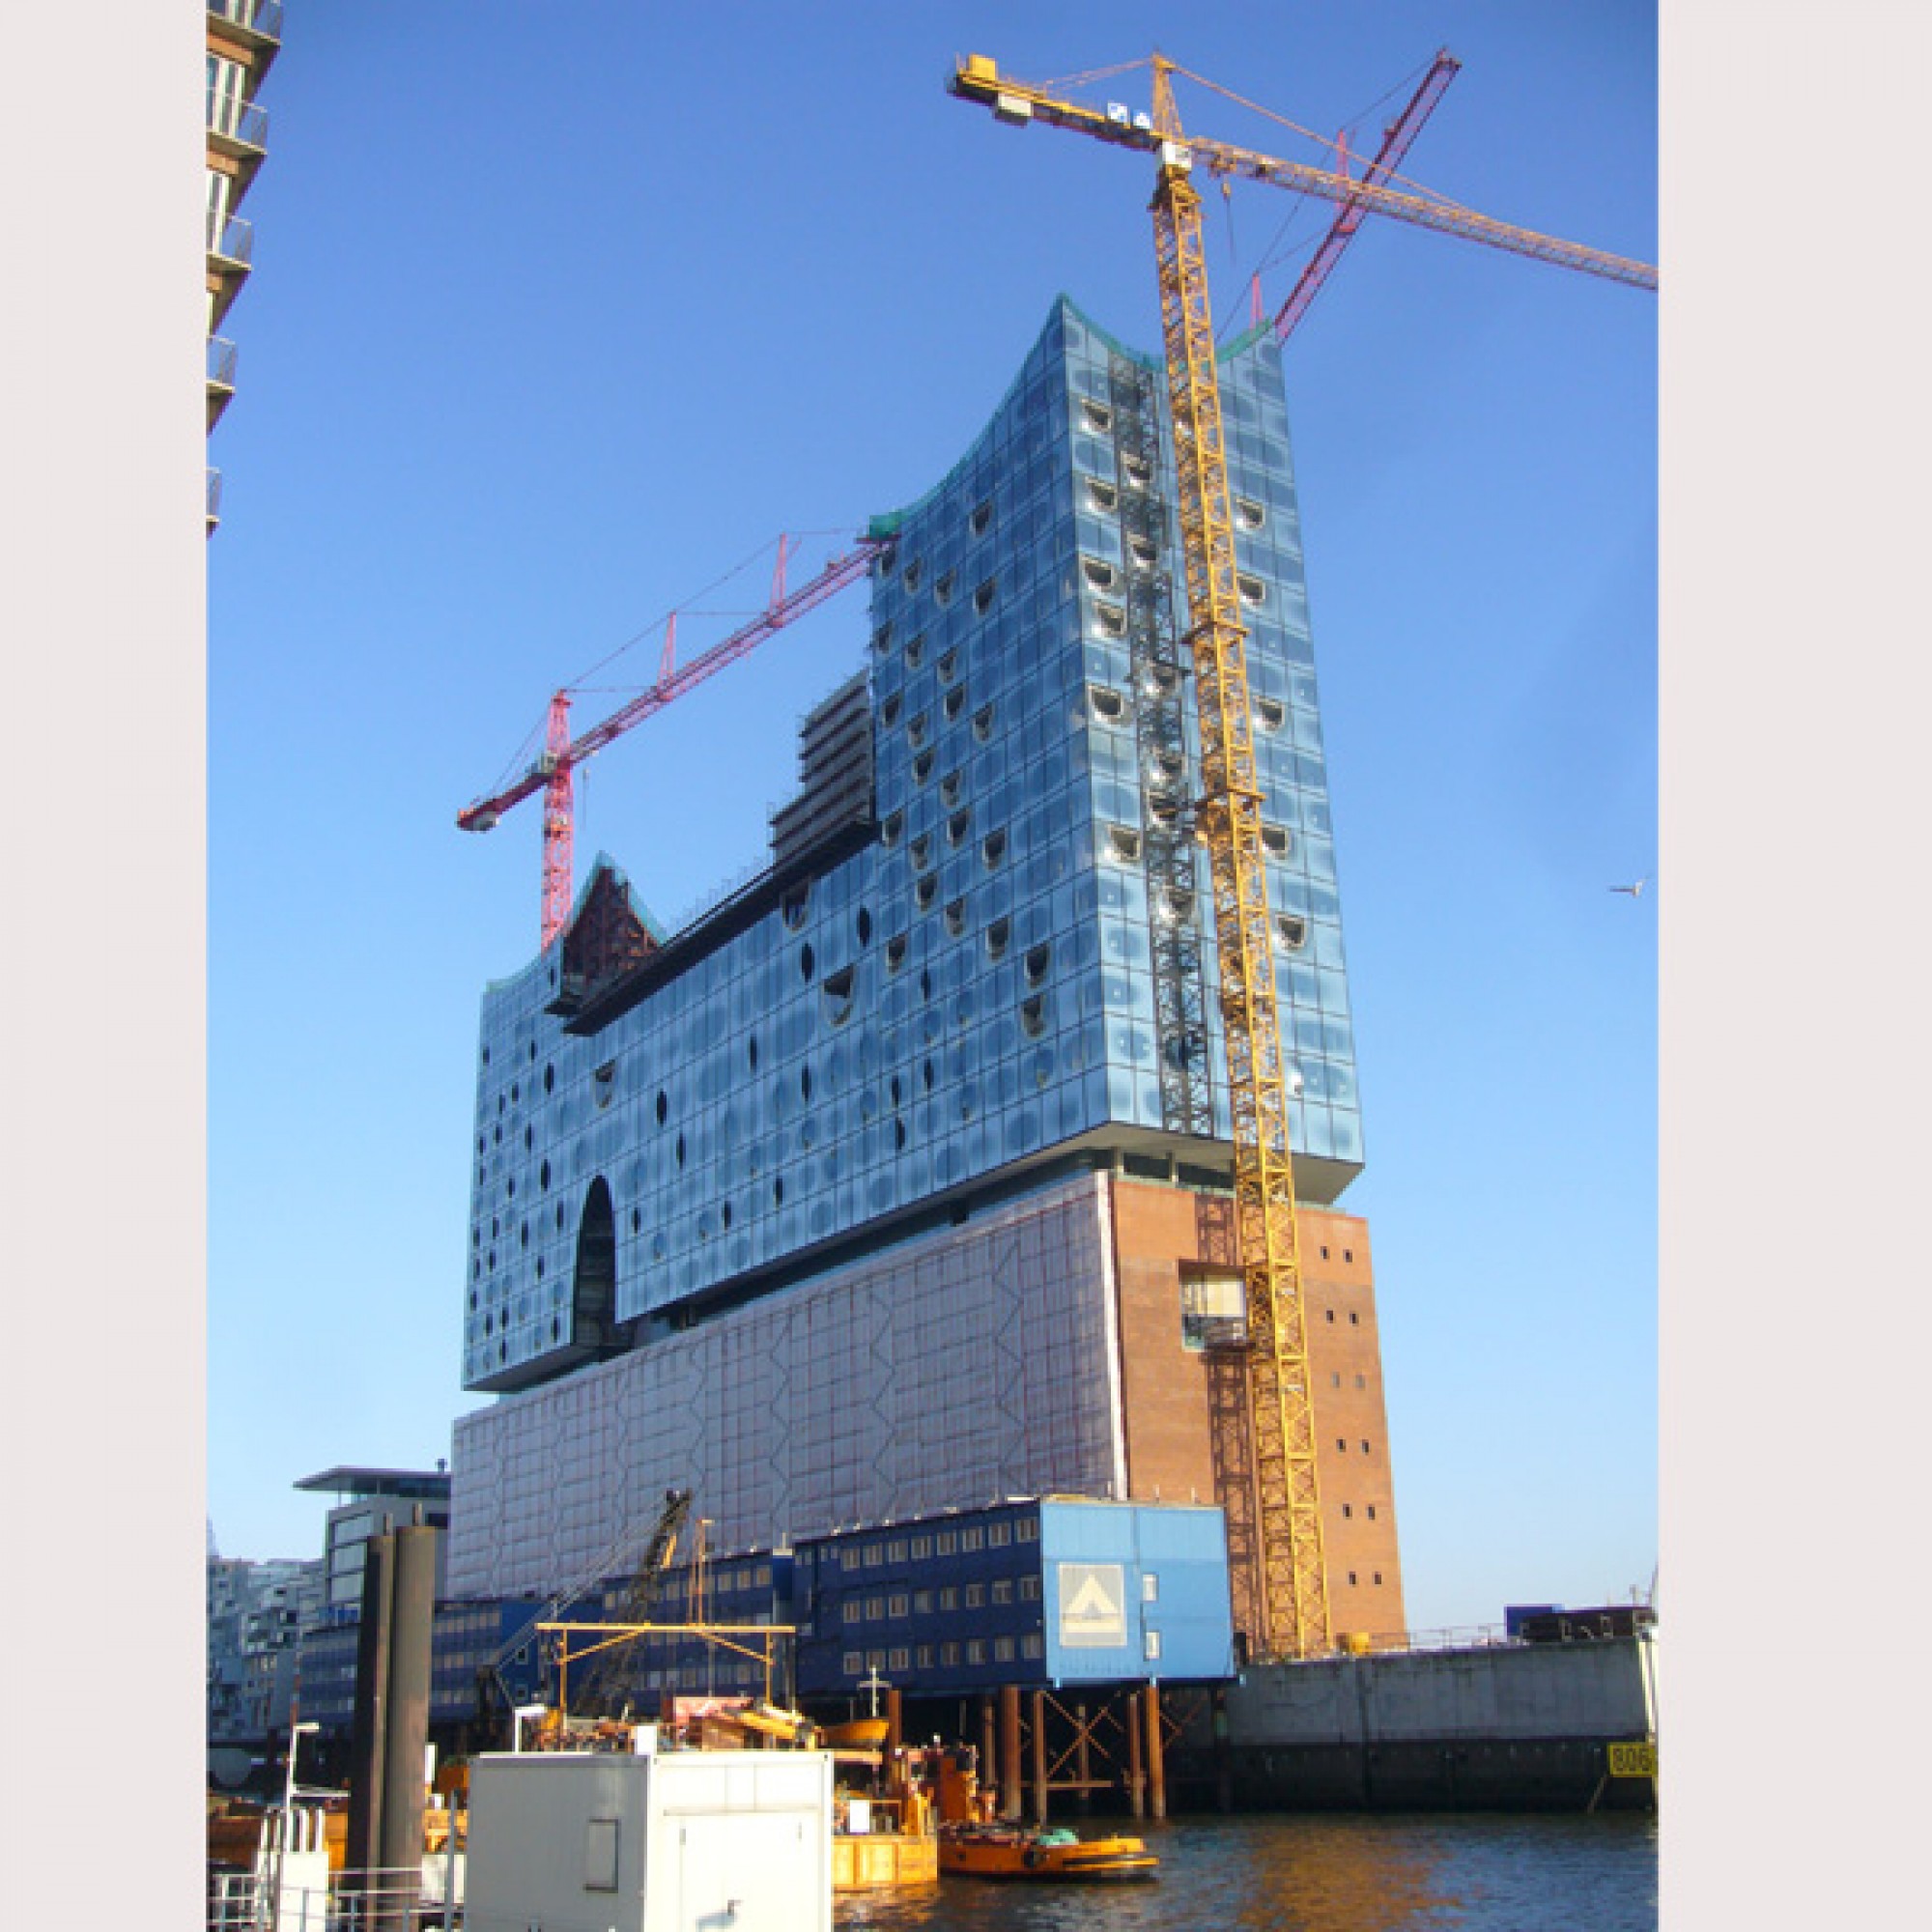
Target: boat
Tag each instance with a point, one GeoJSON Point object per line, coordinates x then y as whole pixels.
{"type": "Point", "coordinates": [860, 1734]}
{"type": "Point", "coordinates": [974, 1844]}
{"type": "Point", "coordinates": [1039, 1852]}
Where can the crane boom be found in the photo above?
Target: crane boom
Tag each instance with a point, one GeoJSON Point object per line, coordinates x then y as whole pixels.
{"type": "Point", "coordinates": [1396, 143]}
{"type": "Point", "coordinates": [551, 771]}
{"type": "Point", "coordinates": [1018, 102]}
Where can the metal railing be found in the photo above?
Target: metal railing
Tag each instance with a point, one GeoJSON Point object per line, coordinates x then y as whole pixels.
{"type": "Point", "coordinates": [221, 362]}
{"type": "Point", "coordinates": [215, 496]}
{"type": "Point", "coordinates": [236, 119]}
{"type": "Point", "coordinates": [386, 1900]}
{"type": "Point", "coordinates": [257, 16]}
{"type": "Point", "coordinates": [230, 236]}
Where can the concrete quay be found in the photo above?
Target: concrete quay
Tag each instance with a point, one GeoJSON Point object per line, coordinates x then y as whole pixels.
{"type": "Point", "coordinates": [1505, 1727]}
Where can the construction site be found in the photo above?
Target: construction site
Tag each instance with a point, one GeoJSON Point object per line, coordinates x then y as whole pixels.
{"type": "Point", "coordinates": [988, 1146]}
{"type": "Point", "coordinates": [918, 1295]}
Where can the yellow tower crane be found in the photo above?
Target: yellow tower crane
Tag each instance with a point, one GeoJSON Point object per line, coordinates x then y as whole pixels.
{"type": "Point", "coordinates": [1292, 1580]}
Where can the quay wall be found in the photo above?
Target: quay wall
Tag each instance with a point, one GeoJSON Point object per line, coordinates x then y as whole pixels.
{"type": "Point", "coordinates": [1509, 1726]}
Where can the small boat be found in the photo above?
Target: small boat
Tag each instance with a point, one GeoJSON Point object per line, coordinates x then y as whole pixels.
{"type": "Point", "coordinates": [860, 1734]}
{"type": "Point", "coordinates": [1016, 1850]}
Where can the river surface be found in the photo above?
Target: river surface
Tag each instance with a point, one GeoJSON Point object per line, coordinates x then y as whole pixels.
{"type": "Point", "coordinates": [1346, 1873]}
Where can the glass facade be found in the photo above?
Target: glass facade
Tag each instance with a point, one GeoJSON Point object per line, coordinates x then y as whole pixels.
{"type": "Point", "coordinates": [1019, 959]}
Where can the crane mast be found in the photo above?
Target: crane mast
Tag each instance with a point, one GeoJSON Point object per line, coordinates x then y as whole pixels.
{"type": "Point", "coordinates": [1293, 1582]}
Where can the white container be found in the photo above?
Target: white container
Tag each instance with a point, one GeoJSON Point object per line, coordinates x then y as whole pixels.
{"type": "Point", "coordinates": [604, 1842]}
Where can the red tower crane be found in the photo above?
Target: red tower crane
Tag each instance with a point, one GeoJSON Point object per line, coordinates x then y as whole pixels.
{"type": "Point", "coordinates": [551, 773]}
{"type": "Point", "coordinates": [1397, 138]}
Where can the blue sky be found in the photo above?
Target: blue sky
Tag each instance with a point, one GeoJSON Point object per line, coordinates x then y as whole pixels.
{"type": "Point", "coordinates": [550, 327]}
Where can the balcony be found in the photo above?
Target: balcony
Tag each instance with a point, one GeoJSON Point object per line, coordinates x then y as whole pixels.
{"type": "Point", "coordinates": [220, 376]}
{"type": "Point", "coordinates": [231, 242]}
{"type": "Point", "coordinates": [257, 21]}
{"type": "Point", "coordinates": [213, 500]}
{"type": "Point", "coordinates": [237, 126]}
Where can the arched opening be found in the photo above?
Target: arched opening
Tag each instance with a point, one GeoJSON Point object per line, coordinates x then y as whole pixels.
{"type": "Point", "coordinates": [594, 1289]}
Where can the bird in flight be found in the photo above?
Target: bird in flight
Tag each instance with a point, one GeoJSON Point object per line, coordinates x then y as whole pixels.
{"type": "Point", "coordinates": [1636, 890]}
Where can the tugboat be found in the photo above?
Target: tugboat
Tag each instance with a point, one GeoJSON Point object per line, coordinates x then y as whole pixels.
{"type": "Point", "coordinates": [972, 1844]}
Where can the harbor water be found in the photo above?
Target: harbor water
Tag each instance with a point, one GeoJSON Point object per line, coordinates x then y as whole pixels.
{"type": "Point", "coordinates": [1480, 1872]}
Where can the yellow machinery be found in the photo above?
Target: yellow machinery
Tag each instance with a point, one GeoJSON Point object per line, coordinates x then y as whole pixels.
{"type": "Point", "coordinates": [1293, 1577]}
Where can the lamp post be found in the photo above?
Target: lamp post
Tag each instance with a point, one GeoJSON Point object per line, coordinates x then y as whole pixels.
{"type": "Point", "coordinates": [288, 1811]}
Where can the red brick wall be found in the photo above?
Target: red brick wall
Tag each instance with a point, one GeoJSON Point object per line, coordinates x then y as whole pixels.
{"type": "Point", "coordinates": [1167, 1392]}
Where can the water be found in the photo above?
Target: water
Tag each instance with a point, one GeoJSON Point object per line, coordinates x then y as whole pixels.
{"type": "Point", "coordinates": [1472, 1873]}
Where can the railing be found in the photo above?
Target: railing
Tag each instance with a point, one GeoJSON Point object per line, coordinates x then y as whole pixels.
{"type": "Point", "coordinates": [388, 1900]}
{"type": "Point", "coordinates": [215, 496]}
{"type": "Point", "coordinates": [257, 16]}
{"type": "Point", "coordinates": [232, 237]}
{"type": "Point", "coordinates": [239, 120]}
{"type": "Point", "coordinates": [221, 362]}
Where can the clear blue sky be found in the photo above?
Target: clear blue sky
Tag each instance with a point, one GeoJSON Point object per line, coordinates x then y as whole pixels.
{"type": "Point", "coordinates": [556, 316]}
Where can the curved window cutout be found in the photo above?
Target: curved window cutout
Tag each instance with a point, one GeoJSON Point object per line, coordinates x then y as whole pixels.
{"type": "Point", "coordinates": [1291, 932]}
{"type": "Point", "coordinates": [982, 519]}
{"type": "Point", "coordinates": [912, 574]}
{"type": "Point", "coordinates": [920, 851]}
{"type": "Point", "coordinates": [956, 917]}
{"type": "Point", "coordinates": [1124, 843]}
{"type": "Point", "coordinates": [1142, 552]}
{"type": "Point", "coordinates": [1111, 617]}
{"type": "Point", "coordinates": [957, 827]}
{"type": "Point", "coordinates": [997, 935]}
{"type": "Point", "coordinates": [1108, 705]}
{"type": "Point", "coordinates": [663, 1106]}
{"type": "Point", "coordinates": [898, 1136]}
{"type": "Point", "coordinates": [836, 992]}
{"type": "Point", "coordinates": [882, 639]}
{"type": "Point", "coordinates": [950, 788]}
{"type": "Point", "coordinates": [593, 1299]}
{"type": "Point", "coordinates": [916, 731]}
{"type": "Point", "coordinates": [993, 849]}
{"type": "Point", "coordinates": [895, 952]}
{"type": "Point", "coordinates": [1275, 838]}
{"type": "Point", "coordinates": [862, 924]}
{"type": "Point", "coordinates": [1102, 496]}
{"type": "Point", "coordinates": [983, 598]}
{"type": "Point", "coordinates": [792, 907]}
{"type": "Point", "coordinates": [1036, 962]}
{"type": "Point", "coordinates": [943, 588]}
{"type": "Point", "coordinates": [1033, 1016]}
{"type": "Point", "coordinates": [1270, 713]}
{"type": "Point", "coordinates": [948, 667]}
{"type": "Point", "coordinates": [955, 702]}
{"type": "Point", "coordinates": [890, 829]}
{"type": "Point", "coordinates": [889, 711]}
{"type": "Point", "coordinates": [982, 723]}
{"type": "Point", "coordinates": [1251, 588]}
{"type": "Point", "coordinates": [1249, 514]}
{"type": "Point", "coordinates": [921, 766]}
{"type": "Point", "coordinates": [923, 891]}
{"type": "Point", "coordinates": [604, 1083]}
{"type": "Point", "coordinates": [915, 652]}
{"type": "Point", "coordinates": [1098, 416]}
{"type": "Point", "coordinates": [1101, 575]}
{"type": "Point", "coordinates": [1137, 469]}
{"type": "Point", "coordinates": [806, 962]}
